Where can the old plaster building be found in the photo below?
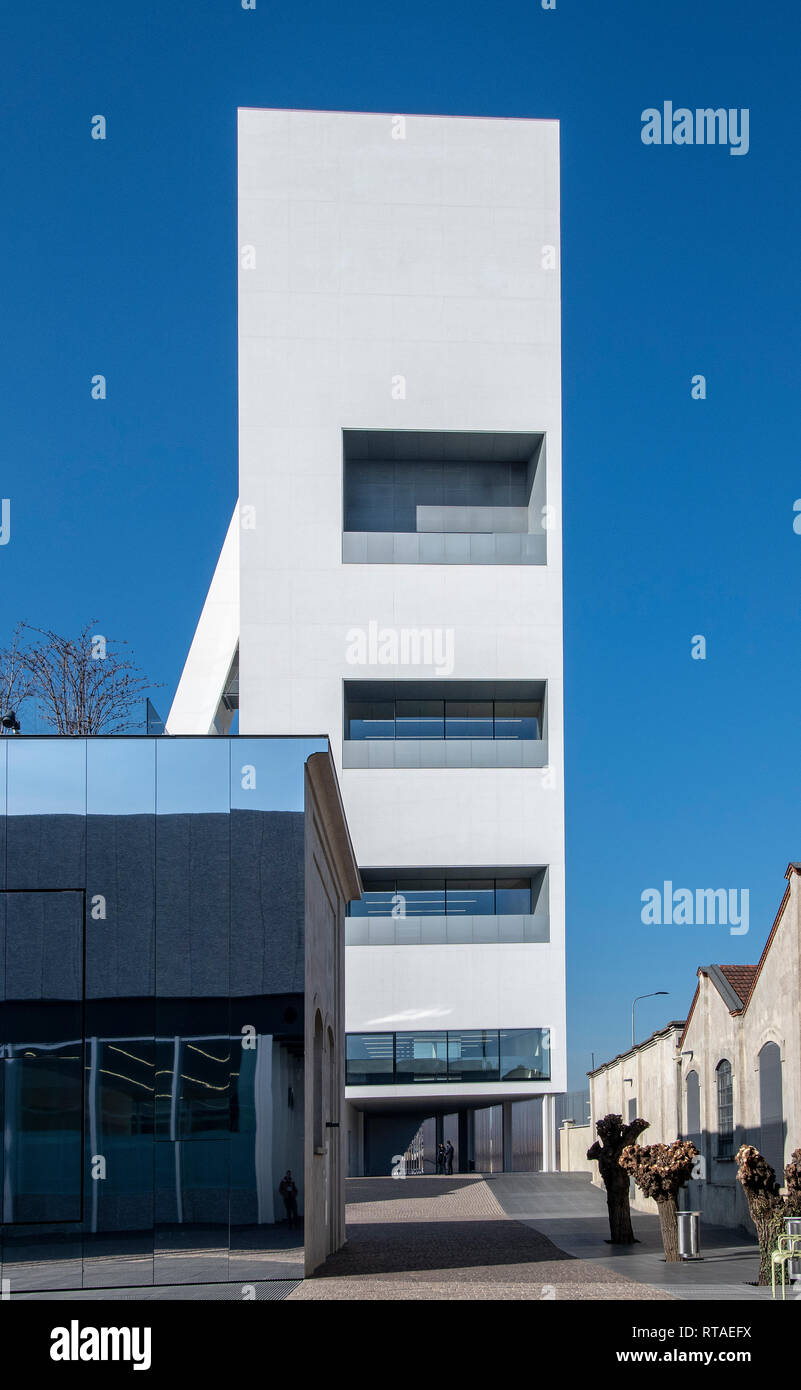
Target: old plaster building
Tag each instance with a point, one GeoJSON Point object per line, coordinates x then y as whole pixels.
{"type": "Point", "coordinates": [729, 1075]}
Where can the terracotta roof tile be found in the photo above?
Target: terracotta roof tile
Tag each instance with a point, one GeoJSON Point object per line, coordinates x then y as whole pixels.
{"type": "Point", "coordinates": [741, 978]}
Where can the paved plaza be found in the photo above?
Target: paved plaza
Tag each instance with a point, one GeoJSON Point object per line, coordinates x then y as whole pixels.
{"type": "Point", "coordinates": [451, 1238]}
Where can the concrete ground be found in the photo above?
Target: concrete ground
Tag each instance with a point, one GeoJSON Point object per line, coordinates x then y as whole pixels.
{"type": "Point", "coordinates": [451, 1238]}
{"type": "Point", "coordinates": [571, 1212]}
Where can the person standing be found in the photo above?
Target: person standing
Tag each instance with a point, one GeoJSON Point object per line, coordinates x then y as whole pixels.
{"type": "Point", "coordinates": [449, 1151]}
{"type": "Point", "coordinates": [289, 1192]}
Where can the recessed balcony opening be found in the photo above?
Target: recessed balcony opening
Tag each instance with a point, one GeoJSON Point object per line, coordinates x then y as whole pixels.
{"type": "Point", "coordinates": [455, 498]}
{"type": "Point", "coordinates": [429, 906]}
{"type": "Point", "coordinates": [449, 723]}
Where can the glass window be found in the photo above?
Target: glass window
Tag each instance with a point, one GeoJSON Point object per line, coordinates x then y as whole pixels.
{"type": "Point", "coordinates": [512, 895]}
{"type": "Point", "coordinates": [193, 776]}
{"type": "Point", "coordinates": [468, 719]}
{"type": "Point", "coordinates": [725, 1111]}
{"type": "Point", "coordinates": [41, 1036]}
{"type": "Point", "coordinates": [420, 1057]}
{"type": "Point", "coordinates": [376, 901]}
{"type": "Point", "coordinates": [420, 719]}
{"type": "Point", "coordinates": [46, 827]}
{"type": "Point", "coordinates": [268, 774]}
{"type": "Point", "coordinates": [525, 1054]}
{"type": "Point", "coordinates": [518, 718]}
{"type": "Point", "coordinates": [371, 719]}
{"type": "Point", "coordinates": [369, 1059]}
{"type": "Point", "coordinates": [470, 897]}
{"type": "Point", "coordinates": [421, 897]}
{"type": "Point", "coordinates": [473, 1055]}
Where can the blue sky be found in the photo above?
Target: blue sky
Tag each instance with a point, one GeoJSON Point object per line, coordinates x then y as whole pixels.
{"type": "Point", "coordinates": [119, 257]}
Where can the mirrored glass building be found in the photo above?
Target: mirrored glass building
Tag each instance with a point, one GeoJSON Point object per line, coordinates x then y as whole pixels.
{"type": "Point", "coordinates": [171, 1009]}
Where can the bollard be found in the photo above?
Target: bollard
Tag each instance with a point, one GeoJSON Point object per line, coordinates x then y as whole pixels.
{"type": "Point", "coordinates": [689, 1235]}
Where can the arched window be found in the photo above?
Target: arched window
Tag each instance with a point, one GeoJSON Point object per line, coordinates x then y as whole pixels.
{"type": "Point", "coordinates": [694, 1108]}
{"type": "Point", "coordinates": [771, 1118]}
{"type": "Point", "coordinates": [318, 1100]}
{"type": "Point", "coordinates": [725, 1110]}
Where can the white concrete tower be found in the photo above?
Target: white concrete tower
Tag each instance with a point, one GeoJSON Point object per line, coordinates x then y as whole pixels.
{"type": "Point", "coordinates": [393, 574]}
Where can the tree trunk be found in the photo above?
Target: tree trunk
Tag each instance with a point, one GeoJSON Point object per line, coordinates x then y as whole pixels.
{"type": "Point", "coordinates": [768, 1229]}
{"type": "Point", "coordinates": [617, 1204]}
{"type": "Point", "coordinates": [669, 1225]}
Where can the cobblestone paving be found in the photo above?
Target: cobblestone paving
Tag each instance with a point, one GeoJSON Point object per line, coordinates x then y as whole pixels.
{"type": "Point", "coordinates": [448, 1238]}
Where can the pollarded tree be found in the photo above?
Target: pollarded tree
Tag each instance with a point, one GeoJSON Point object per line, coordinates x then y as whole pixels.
{"type": "Point", "coordinates": [613, 1137]}
{"type": "Point", "coordinates": [660, 1171]}
{"type": "Point", "coordinates": [765, 1204]}
{"type": "Point", "coordinates": [792, 1184]}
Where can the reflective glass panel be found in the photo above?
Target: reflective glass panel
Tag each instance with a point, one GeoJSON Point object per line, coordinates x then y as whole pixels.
{"type": "Point", "coordinates": [512, 895]}
{"type": "Point", "coordinates": [46, 779]}
{"type": "Point", "coordinates": [371, 719]}
{"type": "Point", "coordinates": [468, 719]}
{"type": "Point", "coordinates": [41, 1036]}
{"type": "Point", "coordinates": [421, 897]}
{"type": "Point", "coordinates": [518, 718]}
{"type": "Point", "coordinates": [470, 897]}
{"type": "Point", "coordinates": [420, 719]}
{"type": "Point", "coordinates": [268, 774]}
{"type": "Point", "coordinates": [369, 1059]}
{"type": "Point", "coordinates": [192, 776]}
{"type": "Point", "coordinates": [473, 1055]}
{"type": "Point", "coordinates": [420, 1057]}
{"type": "Point", "coordinates": [378, 900]}
{"type": "Point", "coordinates": [525, 1054]}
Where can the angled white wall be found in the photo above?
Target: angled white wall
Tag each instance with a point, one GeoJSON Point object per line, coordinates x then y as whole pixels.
{"type": "Point", "coordinates": [195, 709]}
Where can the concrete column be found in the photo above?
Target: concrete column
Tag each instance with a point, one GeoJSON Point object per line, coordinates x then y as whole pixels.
{"type": "Point", "coordinates": [464, 1141]}
{"type": "Point", "coordinates": [548, 1134]}
{"type": "Point", "coordinates": [507, 1136]}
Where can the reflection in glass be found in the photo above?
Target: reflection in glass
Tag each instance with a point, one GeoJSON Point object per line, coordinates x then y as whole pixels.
{"type": "Point", "coordinates": [371, 719]}
{"type": "Point", "coordinates": [512, 895]}
{"type": "Point", "coordinates": [420, 1057]}
{"type": "Point", "coordinates": [468, 719]}
{"type": "Point", "coordinates": [370, 1059]}
{"type": "Point", "coordinates": [140, 1059]}
{"type": "Point", "coordinates": [420, 719]}
{"type": "Point", "coordinates": [518, 718]}
{"type": "Point", "coordinates": [267, 774]}
{"type": "Point", "coordinates": [438, 897]}
{"type": "Point", "coordinates": [525, 1054]}
{"type": "Point", "coordinates": [120, 776]}
{"type": "Point", "coordinates": [470, 897]}
{"type": "Point", "coordinates": [392, 718]}
{"type": "Point", "coordinates": [41, 1029]}
{"type": "Point", "coordinates": [473, 1055]}
{"type": "Point", "coordinates": [421, 897]}
{"type": "Point", "coordinates": [508, 1054]}
{"type": "Point", "coordinates": [192, 775]}
{"type": "Point", "coordinates": [46, 777]}
{"type": "Point", "coordinates": [377, 901]}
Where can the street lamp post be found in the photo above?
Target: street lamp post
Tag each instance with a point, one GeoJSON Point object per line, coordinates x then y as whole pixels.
{"type": "Point", "coordinates": [636, 1000]}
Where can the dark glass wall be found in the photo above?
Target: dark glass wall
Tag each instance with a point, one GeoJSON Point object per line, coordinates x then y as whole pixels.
{"type": "Point", "coordinates": [151, 1009]}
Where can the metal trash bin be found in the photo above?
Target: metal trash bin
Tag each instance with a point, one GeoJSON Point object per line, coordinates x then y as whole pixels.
{"type": "Point", "coordinates": [689, 1235]}
{"type": "Point", "coordinates": [792, 1225]}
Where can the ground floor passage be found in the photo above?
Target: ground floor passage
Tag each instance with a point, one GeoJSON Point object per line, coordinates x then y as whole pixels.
{"type": "Point", "coordinates": [520, 1136]}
